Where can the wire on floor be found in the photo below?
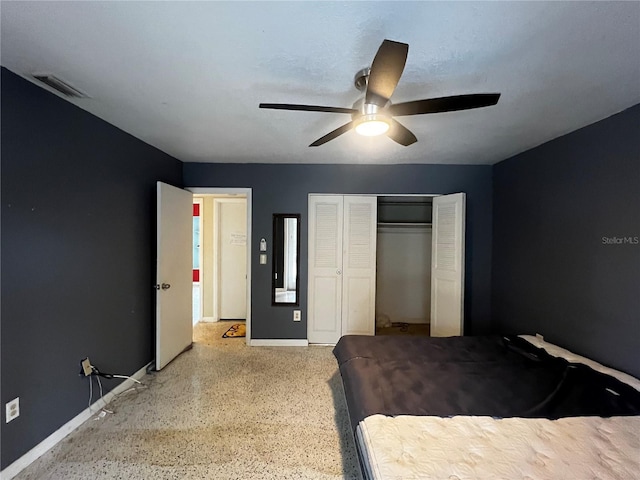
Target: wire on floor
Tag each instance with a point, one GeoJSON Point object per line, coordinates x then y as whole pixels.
{"type": "Point", "coordinates": [97, 374]}
{"type": "Point", "coordinates": [125, 376]}
{"type": "Point", "coordinates": [103, 411]}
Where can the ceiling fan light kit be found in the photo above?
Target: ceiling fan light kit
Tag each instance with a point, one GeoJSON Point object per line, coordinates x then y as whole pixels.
{"type": "Point", "coordinates": [369, 119]}
{"type": "Point", "coordinates": [373, 113]}
{"type": "Point", "coordinates": [372, 125]}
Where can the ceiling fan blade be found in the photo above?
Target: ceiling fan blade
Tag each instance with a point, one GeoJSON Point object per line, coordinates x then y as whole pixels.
{"type": "Point", "coordinates": [401, 134]}
{"type": "Point", "coordinates": [306, 108]}
{"type": "Point", "coordinates": [444, 104]}
{"type": "Point", "coordinates": [386, 70]}
{"type": "Point", "coordinates": [331, 135]}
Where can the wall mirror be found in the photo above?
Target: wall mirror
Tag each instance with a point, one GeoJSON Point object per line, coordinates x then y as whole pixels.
{"type": "Point", "coordinates": [285, 288]}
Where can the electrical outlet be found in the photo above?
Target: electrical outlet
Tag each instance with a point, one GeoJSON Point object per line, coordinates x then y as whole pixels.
{"type": "Point", "coordinates": [13, 409]}
{"type": "Point", "coordinates": [297, 315]}
{"type": "Point", "coordinates": [539, 337]}
{"type": "Point", "coordinates": [86, 367]}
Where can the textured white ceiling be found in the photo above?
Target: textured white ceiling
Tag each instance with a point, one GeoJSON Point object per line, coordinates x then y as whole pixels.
{"type": "Point", "coordinates": [187, 77]}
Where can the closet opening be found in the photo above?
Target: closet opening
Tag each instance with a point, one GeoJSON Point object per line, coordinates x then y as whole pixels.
{"type": "Point", "coordinates": [403, 265]}
{"type": "Point", "coordinates": [372, 263]}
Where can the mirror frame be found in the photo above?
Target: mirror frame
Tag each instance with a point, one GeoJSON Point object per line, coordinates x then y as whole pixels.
{"type": "Point", "coordinates": [298, 219]}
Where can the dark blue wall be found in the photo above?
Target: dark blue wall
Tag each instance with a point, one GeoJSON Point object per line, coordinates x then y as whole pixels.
{"type": "Point", "coordinates": [78, 259]}
{"type": "Point", "coordinates": [553, 270]}
{"type": "Point", "coordinates": [78, 206]}
{"type": "Point", "coordinates": [285, 189]}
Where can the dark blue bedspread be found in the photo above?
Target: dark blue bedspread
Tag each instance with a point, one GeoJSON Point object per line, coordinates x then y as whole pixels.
{"type": "Point", "coordinates": [490, 375]}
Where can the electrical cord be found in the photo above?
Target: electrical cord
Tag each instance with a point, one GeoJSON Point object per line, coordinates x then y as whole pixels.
{"type": "Point", "coordinates": [97, 374]}
{"type": "Point", "coordinates": [103, 409]}
{"type": "Point", "coordinates": [101, 395]}
{"type": "Point", "coordinates": [125, 376]}
{"type": "Point", "coordinates": [90, 393]}
{"type": "Point", "coordinates": [100, 385]}
{"type": "Point", "coordinates": [95, 371]}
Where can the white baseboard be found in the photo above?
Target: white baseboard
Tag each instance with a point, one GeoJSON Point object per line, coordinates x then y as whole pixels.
{"type": "Point", "coordinates": [279, 343]}
{"type": "Point", "coordinates": [208, 319]}
{"type": "Point", "coordinates": [44, 446]}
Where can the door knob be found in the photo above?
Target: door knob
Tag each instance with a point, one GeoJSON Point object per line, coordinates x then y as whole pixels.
{"type": "Point", "coordinates": [339, 272]}
{"type": "Point", "coordinates": [166, 286]}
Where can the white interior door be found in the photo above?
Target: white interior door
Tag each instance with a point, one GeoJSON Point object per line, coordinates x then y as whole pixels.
{"type": "Point", "coordinates": [232, 258]}
{"type": "Point", "coordinates": [359, 266]}
{"type": "Point", "coordinates": [447, 267]}
{"type": "Point", "coordinates": [325, 268]}
{"type": "Point", "coordinates": [174, 328]}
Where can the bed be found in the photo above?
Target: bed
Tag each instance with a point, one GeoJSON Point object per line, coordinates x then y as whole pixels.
{"type": "Point", "coordinates": [487, 407]}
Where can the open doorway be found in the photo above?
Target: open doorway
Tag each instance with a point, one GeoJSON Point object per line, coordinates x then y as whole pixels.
{"type": "Point", "coordinates": [197, 261]}
{"type": "Point", "coordinates": [223, 248]}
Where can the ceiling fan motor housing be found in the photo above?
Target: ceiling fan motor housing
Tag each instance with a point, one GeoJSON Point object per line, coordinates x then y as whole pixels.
{"type": "Point", "coordinates": [362, 79]}
{"type": "Point", "coordinates": [369, 109]}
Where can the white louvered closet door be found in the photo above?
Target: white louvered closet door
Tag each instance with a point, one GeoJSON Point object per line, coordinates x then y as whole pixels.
{"type": "Point", "coordinates": [325, 268]}
{"type": "Point", "coordinates": [342, 266]}
{"type": "Point", "coordinates": [359, 266]}
{"type": "Point", "coordinates": [447, 265]}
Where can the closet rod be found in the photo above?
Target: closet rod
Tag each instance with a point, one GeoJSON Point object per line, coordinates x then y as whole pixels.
{"type": "Point", "coordinates": [404, 224]}
{"type": "Point", "coordinates": [406, 204]}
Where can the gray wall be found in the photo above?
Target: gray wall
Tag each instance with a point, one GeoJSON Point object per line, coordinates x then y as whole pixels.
{"type": "Point", "coordinates": [552, 271]}
{"type": "Point", "coordinates": [285, 189]}
{"type": "Point", "coordinates": [78, 206]}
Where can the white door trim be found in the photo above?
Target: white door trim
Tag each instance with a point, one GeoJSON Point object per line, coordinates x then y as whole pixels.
{"type": "Point", "coordinates": [247, 192]}
{"type": "Point", "coordinates": [215, 228]}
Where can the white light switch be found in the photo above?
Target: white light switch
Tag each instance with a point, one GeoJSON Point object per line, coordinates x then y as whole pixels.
{"type": "Point", "coordinates": [263, 259]}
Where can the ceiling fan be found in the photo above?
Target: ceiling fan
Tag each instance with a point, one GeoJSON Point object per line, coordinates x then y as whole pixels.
{"type": "Point", "coordinates": [373, 113]}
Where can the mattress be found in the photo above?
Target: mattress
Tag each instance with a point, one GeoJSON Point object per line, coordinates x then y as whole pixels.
{"type": "Point", "coordinates": [481, 376]}
{"type": "Point", "coordinates": [461, 448]}
{"type": "Point", "coordinates": [487, 407]}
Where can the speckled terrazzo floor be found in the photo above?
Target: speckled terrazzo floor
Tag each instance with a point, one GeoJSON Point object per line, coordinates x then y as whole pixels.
{"type": "Point", "coordinates": [219, 411]}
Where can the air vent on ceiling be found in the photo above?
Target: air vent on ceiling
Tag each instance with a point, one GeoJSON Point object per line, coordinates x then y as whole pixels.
{"type": "Point", "coordinates": [59, 85]}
